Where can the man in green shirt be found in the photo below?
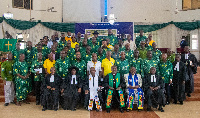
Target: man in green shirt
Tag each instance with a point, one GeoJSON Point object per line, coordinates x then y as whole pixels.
{"type": "Point", "coordinates": [140, 38]}
{"type": "Point", "coordinates": [166, 72]}
{"type": "Point", "coordinates": [148, 63]}
{"type": "Point", "coordinates": [22, 81]}
{"type": "Point", "coordinates": [112, 37]}
{"type": "Point", "coordinates": [100, 55]}
{"type": "Point", "coordinates": [136, 62]}
{"type": "Point", "coordinates": [62, 43]}
{"type": "Point", "coordinates": [88, 56]}
{"type": "Point", "coordinates": [39, 50]}
{"type": "Point", "coordinates": [116, 53]}
{"type": "Point", "coordinates": [7, 77]}
{"type": "Point", "coordinates": [16, 52]}
{"type": "Point", "coordinates": [62, 65]}
{"type": "Point", "coordinates": [97, 38]}
{"type": "Point", "coordinates": [122, 64]}
{"type": "Point", "coordinates": [170, 55]}
{"type": "Point", "coordinates": [155, 52]}
{"type": "Point", "coordinates": [94, 45]}
{"type": "Point", "coordinates": [128, 52]}
{"type": "Point", "coordinates": [142, 50]}
{"type": "Point", "coordinates": [71, 51]}
{"type": "Point", "coordinates": [29, 52]}
{"type": "Point", "coordinates": [80, 64]}
{"type": "Point", "coordinates": [38, 71]}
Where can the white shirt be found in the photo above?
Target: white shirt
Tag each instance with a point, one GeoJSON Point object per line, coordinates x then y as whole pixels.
{"type": "Point", "coordinates": [132, 44]}
{"type": "Point", "coordinates": [97, 66]}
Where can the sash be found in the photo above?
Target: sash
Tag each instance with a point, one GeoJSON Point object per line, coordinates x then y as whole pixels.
{"type": "Point", "coordinates": [111, 79]}
{"type": "Point", "coordinates": [93, 86]}
{"type": "Point", "coordinates": [130, 79]}
{"type": "Point", "coordinates": [140, 99]}
{"type": "Point", "coordinates": [109, 98]}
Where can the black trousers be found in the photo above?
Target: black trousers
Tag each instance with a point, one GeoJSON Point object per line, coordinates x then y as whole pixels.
{"type": "Point", "coordinates": [37, 87]}
{"type": "Point", "coordinates": [167, 91]}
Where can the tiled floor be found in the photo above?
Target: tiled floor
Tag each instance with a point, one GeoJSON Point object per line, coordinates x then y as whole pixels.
{"type": "Point", "coordinates": [189, 109]}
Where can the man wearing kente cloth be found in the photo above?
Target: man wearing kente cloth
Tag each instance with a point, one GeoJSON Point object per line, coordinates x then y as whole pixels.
{"type": "Point", "coordinates": [166, 72]}
{"type": "Point", "coordinates": [51, 85]}
{"type": "Point", "coordinates": [7, 77]}
{"type": "Point", "coordinates": [179, 79]}
{"type": "Point", "coordinates": [112, 37]}
{"type": "Point", "coordinates": [93, 90]}
{"type": "Point", "coordinates": [154, 86]}
{"type": "Point", "coordinates": [148, 63]}
{"type": "Point", "coordinates": [140, 38]}
{"type": "Point", "coordinates": [114, 82]}
{"type": "Point", "coordinates": [20, 70]}
{"type": "Point", "coordinates": [38, 70]}
{"type": "Point", "coordinates": [134, 91]}
{"type": "Point", "coordinates": [191, 65]}
{"type": "Point", "coordinates": [136, 62]}
{"type": "Point", "coordinates": [16, 52]}
{"type": "Point", "coordinates": [71, 89]}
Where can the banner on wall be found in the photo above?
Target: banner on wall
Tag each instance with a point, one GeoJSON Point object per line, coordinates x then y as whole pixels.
{"type": "Point", "coordinates": [118, 28]}
{"type": "Point", "coordinates": [7, 44]}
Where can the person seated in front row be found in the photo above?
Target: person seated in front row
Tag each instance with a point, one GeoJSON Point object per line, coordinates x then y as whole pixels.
{"type": "Point", "coordinates": [134, 91]}
{"type": "Point", "coordinates": [114, 82]}
{"type": "Point", "coordinates": [71, 88]}
{"type": "Point", "coordinates": [92, 90]}
{"type": "Point", "coordinates": [51, 85]}
{"type": "Point", "coordinates": [154, 86]}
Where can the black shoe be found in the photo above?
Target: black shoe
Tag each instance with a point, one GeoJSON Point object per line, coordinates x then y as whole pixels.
{"type": "Point", "coordinates": [127, 110]}
{"type": "Point", "coordinates": [175, 102]}
{"type": "Point", "coordinates": [37, 102]}
{"type": "Point", "coordinates": [97, 110]}
{"type": "Point", "coordinates": [188, 95]}
{"type": "Point", "coordinates": [73, 109]}
{"type": "Point", "coordinates": [6, 104]}
{"type": "Point", "coordinates": [108, 110]}
{"type": "Point", "coordinates": [121, 110]}
{"type": "Point", "coordinates": [161, 109]}
{"type": "Point", "coordinates": [181, 102]}
{"type": "Point", "coordinates": [56, 109]}
{"type": "Point", "coordinates": [139, 110]}
{"type": "Point", "coordinates": [43, 109]}
{"type": "Point", "coordinates": [167, 103]}
{"type": "Point", "coordinates": [148, 109]}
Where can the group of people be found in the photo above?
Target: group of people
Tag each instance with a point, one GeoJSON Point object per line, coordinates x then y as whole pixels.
{"type": "Point", "coordinates": [98, 73]}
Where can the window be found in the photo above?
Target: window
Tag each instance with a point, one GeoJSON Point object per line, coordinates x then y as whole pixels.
{"type": "Point", "coordinates": [191, 4]}
{"type": "Point", "coordinates": [22, 4]}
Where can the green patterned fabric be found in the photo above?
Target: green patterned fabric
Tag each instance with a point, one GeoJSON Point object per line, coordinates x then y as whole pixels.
{"type": "Point", "coordinates": [171, 58]}
{"type": "Point", "coordinates": [113, 39]}
{"type": "Point", "coordinates": [122, 66]}
{"type": "Point", "coordinates": [139, 39]}
{"type": "Point", "coordinates": [166, 71]}
{"type": "Point", "coordinates": [146, 66]}
{"type": "Point", "coordinates": [7, 70]}
{"type": "Point", "coordinates": [29, 55]}
{"type": "Point", "coordinates": [149, 28]}
{"type": "Point", "coordinates": [21, 25]}
{"type": "Point", "coordinates": [81, 66]}
{"type": "Point", "coordinates": [129, 54]}
{"type": "Point", "coordinates": [142, 53]}
{"type": "Point", "coordinates": [137, 64]}
{"type": "Point", "coordinates": [111, 80]}
{"type": "Point", "coordinates": [94, 48]}
{"type": "Point", "coordinates": [16, 54]}
{"type": "Point", "coordinates": [62, 27]}
{"type": "Point", "coordinates": [156, 55]}
{"type": "Point", "coordinates": [23, 86]}
{"type": "Point", "coordinates": [35, 65]}
{"type": "Point", "coordinates": [62, 67]}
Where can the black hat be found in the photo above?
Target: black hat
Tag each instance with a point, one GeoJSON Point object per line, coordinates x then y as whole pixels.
{"type": "Point", "coordinates": [73, 67]}
{"type": "Point", "coordinates": [95, 32]}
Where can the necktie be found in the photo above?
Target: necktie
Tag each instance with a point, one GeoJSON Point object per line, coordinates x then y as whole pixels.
{"type": "Point", "coordinates": [93, 81]}
{"type": "Point", "coordinates": [73, 80]}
